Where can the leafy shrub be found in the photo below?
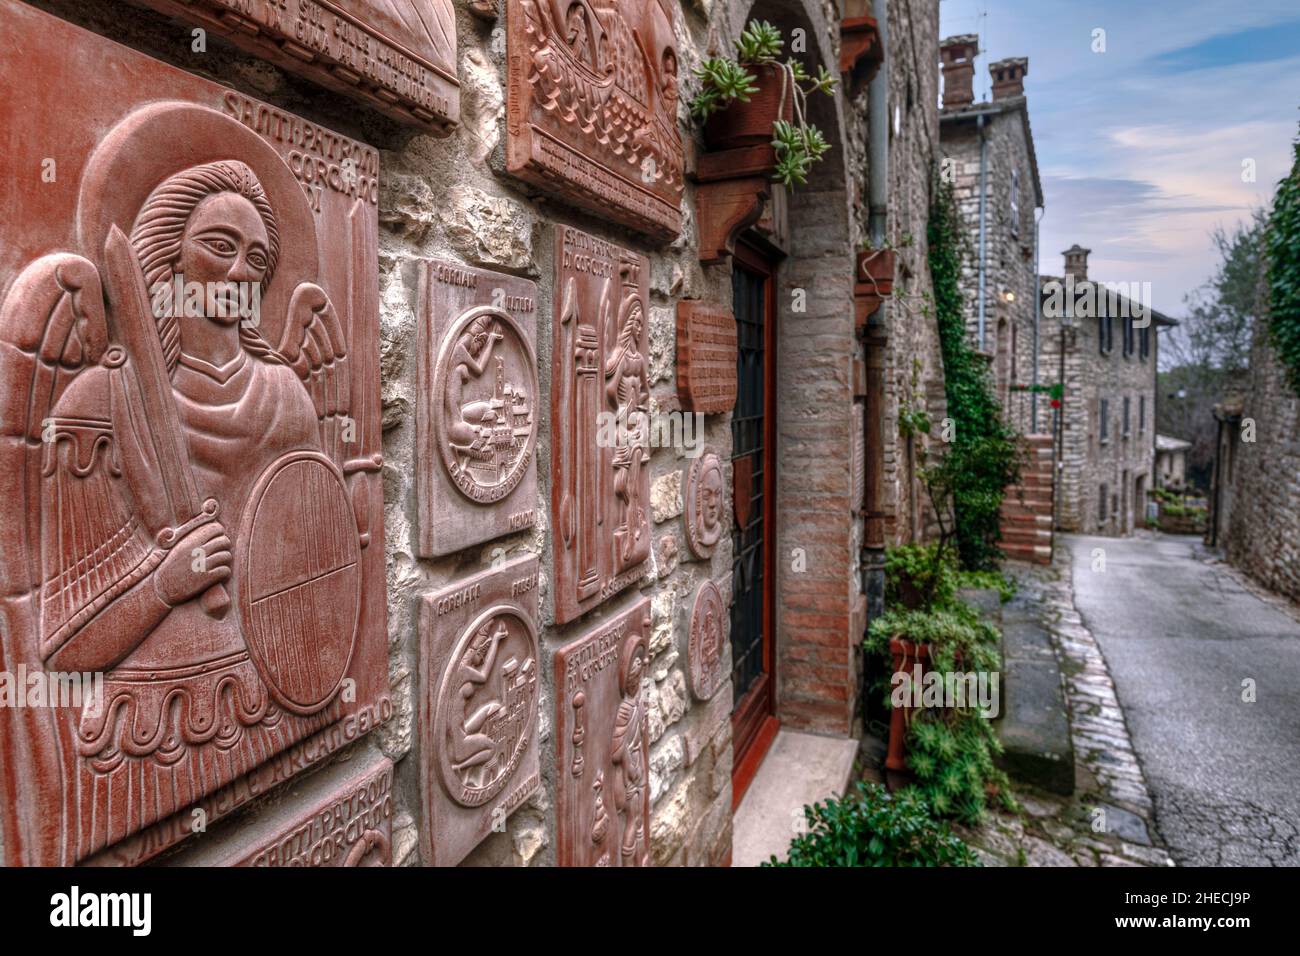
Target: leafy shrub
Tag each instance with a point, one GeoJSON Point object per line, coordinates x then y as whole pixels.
{"type": "Point", "coordinates": [919, 573]}
{"type": "Point", "coordinates": [951, 752]}
{"type": "Point", "coordinates": [957, 637]}
{"type": "Point", "coordinates": [988, 580]}
{"type": "Point", "coordinates": [872, 827]}
{"type": "Point", "coordinates": [1283, 248]}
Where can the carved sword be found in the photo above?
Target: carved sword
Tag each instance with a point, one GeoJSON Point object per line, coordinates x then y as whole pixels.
{"type": "Point", "coordinates": [131, 324]}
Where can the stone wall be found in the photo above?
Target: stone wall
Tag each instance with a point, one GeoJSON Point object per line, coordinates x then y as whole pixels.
{"type": "Point", "coordinates": [451, 199]}
{"type": "Point", "coordinates": [1259, 509]}
{"type": "Point", "coordinates": [1010, 272]}
{"type": "Point", "coordinates": [913, 361]}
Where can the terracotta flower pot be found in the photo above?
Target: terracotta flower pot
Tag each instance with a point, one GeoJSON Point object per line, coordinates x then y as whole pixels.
{"type": "Point", "coordinates": [905, 655]}
{"type": "Point", "coordinates": [750, 123]}
{"type": "Point", "coordinates": [876, 271]}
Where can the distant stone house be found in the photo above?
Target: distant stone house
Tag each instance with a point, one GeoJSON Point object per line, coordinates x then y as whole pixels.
{"type": "Point", "coordinates": [1102, 347]}
{"type": "Point", "coordinates": [989, 155]}
{"type": "Point", "coordinates": [1171, 461]}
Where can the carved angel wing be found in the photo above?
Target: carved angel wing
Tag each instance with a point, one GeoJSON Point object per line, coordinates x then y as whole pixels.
{"type": "Point", "coordinates": [314, 345]}
{"type": "Point", "coordinates": [52, 324]}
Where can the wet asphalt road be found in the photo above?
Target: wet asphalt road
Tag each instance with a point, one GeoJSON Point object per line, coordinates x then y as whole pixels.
{"type": "Point", "coordinates": [1180, 635]}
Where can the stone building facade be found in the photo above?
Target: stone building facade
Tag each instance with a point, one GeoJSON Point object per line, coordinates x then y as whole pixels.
{"type": "Point", "coordinates": [587, 715]}
{"type": "Point", "coordinates": [1255, 493]}
{"type": "Point", "coordinates": [988, 151]}
{"type": "Point", "coordinates": [1098, 345]}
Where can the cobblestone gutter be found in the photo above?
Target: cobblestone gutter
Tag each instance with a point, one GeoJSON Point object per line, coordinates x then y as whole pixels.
{"type": "Point", "coordinates": [1110, 819]}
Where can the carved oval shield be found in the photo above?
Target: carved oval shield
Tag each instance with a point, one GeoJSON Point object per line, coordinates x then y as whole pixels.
{"type": "Point", "coordinates": [298, 577]}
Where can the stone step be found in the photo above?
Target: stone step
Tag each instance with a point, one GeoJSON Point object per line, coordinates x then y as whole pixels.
{"type": "Point", "coordinates": [1019, 516]}
{"type": "Point", "coordinates": [1036, 554]}
{"type": "Point", "coordinates": [1035, 726]}
{"type": "Point", "coordinates": [1026, 534]}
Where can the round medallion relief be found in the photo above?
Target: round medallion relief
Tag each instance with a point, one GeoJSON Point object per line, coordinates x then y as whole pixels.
{"type": "Point", "coordinates": [704, 503]}
{"type": "Point", "coordinates": [708, 631]}
{"type": "Point", "coordinates": [485, 384]}
{"type": "Point", "coordinates": [487, 705]}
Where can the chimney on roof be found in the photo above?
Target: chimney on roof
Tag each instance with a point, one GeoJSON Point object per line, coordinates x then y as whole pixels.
{"type": "Point", "coordinates": [1076, 262]}
{"type": "Point", "coordinates": [958, 56]}
{"type": "Point", "coordinates": [1009, 77]}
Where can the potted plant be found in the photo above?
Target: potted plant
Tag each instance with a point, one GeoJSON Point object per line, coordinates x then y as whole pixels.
{"type": "Point", "coordinates": [754, 98]}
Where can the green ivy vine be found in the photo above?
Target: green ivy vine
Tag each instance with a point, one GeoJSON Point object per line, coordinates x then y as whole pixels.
{"type": "Point", "coordinates": [1283, 245]}
{"type": "Point", "coordinates": [983, 456]}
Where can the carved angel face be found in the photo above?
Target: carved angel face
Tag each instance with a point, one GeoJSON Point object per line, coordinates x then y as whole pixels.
{"type": "Point", "coordinates": [711, 498]}
{"type": "Point", "coordinates": [635, 666]}
{"type": "Point", "coordinates": [225, 241]}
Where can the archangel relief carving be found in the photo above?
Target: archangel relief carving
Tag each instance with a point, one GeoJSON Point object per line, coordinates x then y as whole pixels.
{"type": "Point", "coordinates": [704, 486]}
{"type": "Point", "coordinates": [600, 411]}
{"type": "Point", "coordinates": [592, 107]}
{"type": "Point", "coordinates": [396, 56]}
{"type": "Point", "coordinates": [707, 646]}
{"type": "Point", "coordinates": [479, 689]}
{"type": "Point", "coordinates": [477, 419]}
{"type": "Point", "coordinates": [190, 453]}
{"type": "Point", "coordinates": [603, 744]}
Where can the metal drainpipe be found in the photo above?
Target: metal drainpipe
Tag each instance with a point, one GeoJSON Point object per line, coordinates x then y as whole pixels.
{"type": "Point", "coordinates": [984, 190]}
{"type": "Point", "coordinates": [1038, 317]}
{"type": "Point", "coordinates": [878, 129]}
{"type": "Point", "coordinates": [873, 563]}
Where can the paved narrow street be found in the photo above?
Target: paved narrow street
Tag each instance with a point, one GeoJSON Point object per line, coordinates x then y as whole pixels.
{"type": "Point", "coordinates": [1181, 634]}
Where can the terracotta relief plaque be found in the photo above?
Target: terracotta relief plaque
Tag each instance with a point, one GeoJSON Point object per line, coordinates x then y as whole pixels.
{"type": "Point", "coordinates": [704, 503]}
{"type": "Point", "coordinates": [600, 411]}
{"type": "Point", "coordinates": [189, 446]}
{"type": "Point", "coordinates": [592, 107]}
{"type": "Point", "coordinates": [706, 357]}
{"type": "Point", "coordinates": [477, 419]}
{"type": "Point", "coordinates": [342, 816]}
{"type": "Point", "coordinates": [708, 638]}
{"type": "Point", "coordinates": [478, 707]}
{"type": "Point", "coordinates": [602, 744]}
{"type": "Point", "coordinates": [396, 56]}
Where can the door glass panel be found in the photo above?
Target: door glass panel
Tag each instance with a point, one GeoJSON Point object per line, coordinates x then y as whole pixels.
{"type": "Point", "coordinates": [747, 436]}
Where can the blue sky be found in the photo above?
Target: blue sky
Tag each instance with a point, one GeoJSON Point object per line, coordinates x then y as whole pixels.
{"type": "Point", "coordinates": [1141, 147]}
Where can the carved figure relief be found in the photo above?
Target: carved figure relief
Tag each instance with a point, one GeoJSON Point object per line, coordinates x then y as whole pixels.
{"type": "Point", "coordinates": [396, 56]}
{"type": "Point", "coordinates": [600, 408]}
{"type": "Point", "coordinates": [477, 419]}
{"type": "Point", "coordinates": [592, 107]}
{"type": "Point", "coordinates": [479, 690]}
{"type": "Point", "coordinates": [603, 748]}
{"type": "Point", "coordinates": [706, 357]}
{"type": "Point", "coordinates": [707, 641]}
{"type": "Point", "coordinates": [192, 482]}
{"type": "Point", "coordinates": [704, 486]}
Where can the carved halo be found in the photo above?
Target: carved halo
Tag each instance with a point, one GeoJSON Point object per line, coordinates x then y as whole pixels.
{"type": "Point", "coordinates": [161, 139]}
